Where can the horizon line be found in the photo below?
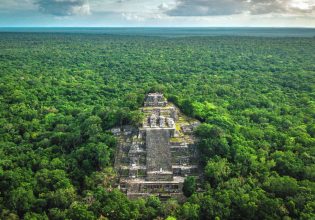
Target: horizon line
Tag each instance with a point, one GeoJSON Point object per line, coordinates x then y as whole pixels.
{"type": "Point", "coordinates": [304, 27]}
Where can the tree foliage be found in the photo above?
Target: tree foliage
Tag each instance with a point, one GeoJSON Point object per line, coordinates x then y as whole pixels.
{"type": "Point", "coordinates": [189, 186]}
{"type": "Point", "coordinates": [61, 93]}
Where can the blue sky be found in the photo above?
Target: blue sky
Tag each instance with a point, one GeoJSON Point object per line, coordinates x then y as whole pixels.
{"type": "Point", "coordinates": [168, 13]}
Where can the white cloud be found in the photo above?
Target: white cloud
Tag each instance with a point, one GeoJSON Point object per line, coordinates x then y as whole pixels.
{"type": "Point", "coordinates": [232, 7]}
{"type": "Point", "coordinates": [164, 6]}
{"type": "Point", "coordinates": [132, 17]}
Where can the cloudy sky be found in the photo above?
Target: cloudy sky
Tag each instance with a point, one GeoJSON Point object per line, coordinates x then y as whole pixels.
{"type": "Point", "coordinates": [209, 13]}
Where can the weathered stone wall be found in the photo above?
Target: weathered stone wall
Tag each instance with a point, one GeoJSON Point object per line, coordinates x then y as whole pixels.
{"type": "Point", "coordinates": [159, 158]}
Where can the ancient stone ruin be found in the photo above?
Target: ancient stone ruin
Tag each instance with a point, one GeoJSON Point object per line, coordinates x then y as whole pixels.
{"type": "Point", "coordinates": [156, 157]}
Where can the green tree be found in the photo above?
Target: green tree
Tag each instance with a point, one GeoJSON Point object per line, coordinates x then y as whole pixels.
{"type": "Point", "coordinates": [217, 170]}
{"type": "Point", "coordinates": [79, 211]}
{"type": "Point", "coordinates": [190, 211]}
{"type": "Point", "coordinates": [282, 186]}
{"type": "Point", "coordinates": [21, 200]}
{"type": "Point", "coordinates": [189, 186]}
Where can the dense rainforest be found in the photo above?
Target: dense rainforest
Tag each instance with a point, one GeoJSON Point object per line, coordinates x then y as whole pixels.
{"type": "Point", "coordinates": [61, 93]}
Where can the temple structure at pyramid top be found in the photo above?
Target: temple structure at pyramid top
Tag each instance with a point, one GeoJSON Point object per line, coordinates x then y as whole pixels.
{"type": "Point", "coordinates": [155, 99]}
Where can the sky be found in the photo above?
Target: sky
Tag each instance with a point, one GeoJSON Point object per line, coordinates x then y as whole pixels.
{"type": "Point", "coordinates": [157, 13]}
